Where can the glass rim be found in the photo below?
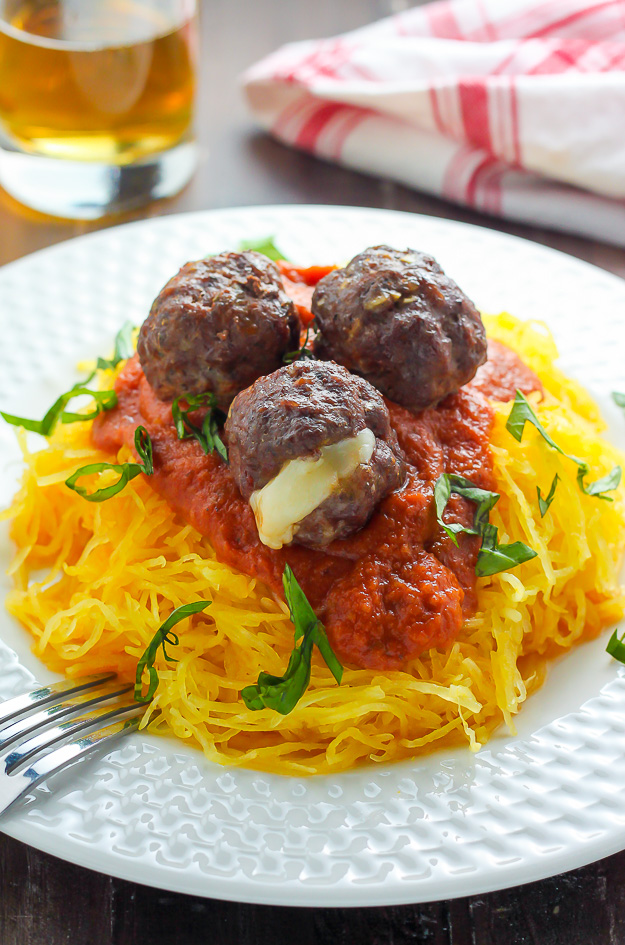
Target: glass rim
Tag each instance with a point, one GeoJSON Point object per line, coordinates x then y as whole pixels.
{"type": "Point", "coordinates": [188, 11]}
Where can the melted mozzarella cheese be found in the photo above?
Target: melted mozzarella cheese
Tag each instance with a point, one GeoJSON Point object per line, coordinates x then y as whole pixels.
{"type": "Point", "coordinates": [303, 484]}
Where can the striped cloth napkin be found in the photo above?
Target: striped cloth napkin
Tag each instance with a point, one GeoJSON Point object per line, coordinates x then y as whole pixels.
{"type": "Point", "coordinates": [513, 107]}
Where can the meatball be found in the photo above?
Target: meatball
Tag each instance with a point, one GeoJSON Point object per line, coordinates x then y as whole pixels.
{"type": "Point", "coordinates": [395, 318]}
{"type": "Point", "coordinates": [217, 325]}
{"type": "Point", "coordinates": [312, 450]}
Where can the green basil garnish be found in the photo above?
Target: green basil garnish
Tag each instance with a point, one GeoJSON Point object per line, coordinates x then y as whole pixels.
{"type": "Point", "coordinates": [616, 647]}
{"type": "Point", "coordinates": [265, 246]}
{"type": "Point", "coordinates": [143, 446]}
{"type": "Point", "coordinates": [282, 693]}
{"type": "Point", "coordinates": [543, 504]}
{"type": "Point", "coordinates": [162, 637]}
{"type": "Point", "coordinates": [104, 400]}
{"type": "Point", "coordinates": [492, 556]}
{"type": "Point", "coordinates": [123, 350]}
{"type": "Point", "coordinates": [605, 484]}
{"type": "Point", "coordinates": [127, 471]}
{"type": "Point", "coordinates": [522, 413]}
{"type": "Point", "coordinates": [618, 398]}
{"type": "Point", "coordinates": [208, 434]}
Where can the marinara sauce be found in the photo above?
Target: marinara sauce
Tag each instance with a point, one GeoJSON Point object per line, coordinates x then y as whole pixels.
{"type": "Point", "coordinates": [396, 588]}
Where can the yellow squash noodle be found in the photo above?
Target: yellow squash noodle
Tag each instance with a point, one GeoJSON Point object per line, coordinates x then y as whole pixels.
{"type": "Point", "coordinates": [93, 581]}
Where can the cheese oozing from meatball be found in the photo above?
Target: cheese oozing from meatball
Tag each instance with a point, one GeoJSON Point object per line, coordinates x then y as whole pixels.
{"type": "Point", "coordinates": [303, 484]}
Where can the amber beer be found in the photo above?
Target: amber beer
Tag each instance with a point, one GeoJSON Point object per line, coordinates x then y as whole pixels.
{"type": "Point", "coordinates": [110, 81]}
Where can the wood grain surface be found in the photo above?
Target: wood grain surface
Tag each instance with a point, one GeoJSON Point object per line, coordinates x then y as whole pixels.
{"type": "Point", "coordinates": [44, 901]}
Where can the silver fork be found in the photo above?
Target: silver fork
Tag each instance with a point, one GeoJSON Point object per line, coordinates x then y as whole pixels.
{"type": "Point", "coordinates": [32, 747]}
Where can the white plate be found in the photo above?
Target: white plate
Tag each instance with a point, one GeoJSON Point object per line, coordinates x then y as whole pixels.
{"type": "Point", "coordinates": [452, 824]}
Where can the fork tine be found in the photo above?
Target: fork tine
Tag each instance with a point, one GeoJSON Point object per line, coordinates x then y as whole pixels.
{"type": "Point", "coordinates": [46, 739]}
{"type": "Point", "coordinates": [15, 786]}
{"type": "Point", "coordinates": [33, 722]}
{"type": "Point", "coordinates": [45, 694]}
{"type": "Point", "coordinates": [20, 724]}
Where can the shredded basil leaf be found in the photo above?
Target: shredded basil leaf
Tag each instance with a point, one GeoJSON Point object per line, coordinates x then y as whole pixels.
{"type": "Point", "coordinates": [208, 434]}
{"type": "Point", "coordinates": [127, 471]}
{"type": "Point", "coordinates": [265, 246]}
{"type": "Point", "coordinates": [543, 504]}
{"type": "Point", "coordinates": [143, 446]}
{"type": "Point", "coordinates": [483, 499]}
{"type": "Point", "coordinates": [162, 637]}
{"type": "Point", "coordinates": [304, 353]}
{"type": "Point", "coordinates": [104, 400]}
{"type": "Point", "coordinates": [282, 693]}
{"type": "Point", "coordinates": [522, 413]}
{"type": "Point", "coordinates": [616, 647]}
{"type": "Point", "coordinates": [606, 484]}
{"type": "Point", "coordinates": [618, 398]}
{"type": "Point", "coordinates": [123, 350]}
{"type": "Point", "coordinates": [492, 556]}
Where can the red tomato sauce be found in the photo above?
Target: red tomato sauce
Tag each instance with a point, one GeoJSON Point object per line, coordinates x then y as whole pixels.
{"type": "Point", "coordinates": [388, 593]}
{"type": "Point", "coordinates": [299, 284]}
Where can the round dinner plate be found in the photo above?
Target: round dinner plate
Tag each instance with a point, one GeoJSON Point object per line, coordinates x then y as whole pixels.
{"type": "Point", "coordinates": [546, 799]}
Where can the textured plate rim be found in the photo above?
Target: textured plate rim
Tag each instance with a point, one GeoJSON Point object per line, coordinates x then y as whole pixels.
{"type": "Point", "coordinates": [296, 893]}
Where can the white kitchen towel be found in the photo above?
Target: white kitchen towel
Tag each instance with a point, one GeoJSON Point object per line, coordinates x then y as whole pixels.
{"type": "Point", "coordinates": [513, 107]}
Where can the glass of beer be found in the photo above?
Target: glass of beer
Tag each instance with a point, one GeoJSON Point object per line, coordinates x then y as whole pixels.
{"type": "Point", "coordinates": [96, 102]}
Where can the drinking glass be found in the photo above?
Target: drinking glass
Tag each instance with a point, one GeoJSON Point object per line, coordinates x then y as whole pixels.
{"type": "Point", "coordinates": [96, 102]}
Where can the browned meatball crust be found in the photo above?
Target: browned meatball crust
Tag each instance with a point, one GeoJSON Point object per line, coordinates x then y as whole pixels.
{"type": "Point", "coordinates": [394, 317]}
{"type": "Point", "coordinates": [216, 326]}
{"type": "Point", "coordinates": [294, 412]}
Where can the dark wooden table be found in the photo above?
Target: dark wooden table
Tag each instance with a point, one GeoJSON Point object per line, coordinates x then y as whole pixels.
{"type": "Point", "coordinates": [44, 901]}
